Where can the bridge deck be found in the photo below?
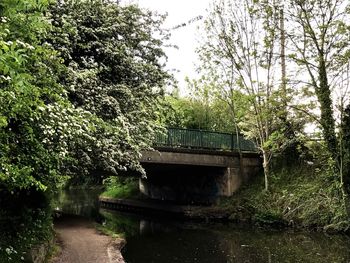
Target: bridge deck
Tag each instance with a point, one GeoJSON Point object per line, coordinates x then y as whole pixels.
{"type": "Point", "coordinates": [197, 157]}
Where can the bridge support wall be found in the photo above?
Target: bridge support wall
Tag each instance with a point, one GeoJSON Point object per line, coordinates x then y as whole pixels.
{"type": "Point", "coordinates": [195, 177]}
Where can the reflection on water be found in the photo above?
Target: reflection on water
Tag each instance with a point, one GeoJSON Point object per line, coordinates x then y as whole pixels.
{"type": "Point", "coordinates": [159, 240]}
{"type": "Point", "coordinates": [82, 202]}
{"type": "Point", "coordinates": [231, 244]}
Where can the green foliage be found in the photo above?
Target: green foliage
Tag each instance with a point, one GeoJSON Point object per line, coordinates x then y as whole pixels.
{"type": "Point", "coordinates": [194, 113]}
{"type": "Point", "coordinates": [345, 134]}
{"type": "Point", "coordinates": [36, 124]}
{"type": "Point", "coordinates": [268, 218]}
{"type": "Point", "coordinates": [321, 41]}
{"type": "Point", "coordinates": [239, 55]}
{"type": "Point", "coordinates": [79, 88]}
{"type": "Point", "coordinates": [112, 55]}
{"type": "Point", "coordinates": [186, 113]}
{"type": "Point", "coordinates": [119, 187]}
{"type": "Point", "coordinates": [298, 197]}
{"type": "Point", "coordinates": [119, 225]}
{"type": "Point", "coordinates": [27, 90]}
{"type": "Point", "coordinates": [28, 225]}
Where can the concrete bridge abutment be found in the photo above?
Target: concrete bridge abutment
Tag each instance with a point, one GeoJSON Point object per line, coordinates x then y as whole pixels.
{"type": "Point", "coordinates": [195, 176]}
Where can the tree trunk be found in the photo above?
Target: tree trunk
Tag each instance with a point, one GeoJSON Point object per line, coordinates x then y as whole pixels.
{"type": "Point", "coordinates": [283, 64]}
{"type": "Point", "coordinates": [266, 169]}
{"type": "Point", "coordinates": [239, 152]}
{"type": "Point", "coordinates": [345, 152]}
{"type": "Point", "coordinates": [323, 94]}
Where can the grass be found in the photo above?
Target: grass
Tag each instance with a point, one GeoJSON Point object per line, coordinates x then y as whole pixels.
{"type": "Point", "coordinates": [117, 187]}
{"type": "Point", "coordinates": [54, 251]}
{"type": "Point", "coordinates": [118, 226]}
{"type": "Point", "coordinates": [302, 197]}
{"type": "Point", "coordinates": [108, 232]}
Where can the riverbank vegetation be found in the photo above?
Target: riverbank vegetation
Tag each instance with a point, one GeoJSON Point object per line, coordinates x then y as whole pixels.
{"type": "Point", "coordinates": [78, 97]}
{"type": "Point", "coordinates": [25, 223]}
{"type": "Point", "coordinates": [118, 187]}
{"type": "Point", "coordinates": [82, 94]}
{"type": "Point", "coordinates": [286, 88]}
{"type": "Point", "coordinates": [118, 226]}
{"type": "Point", "coordinates": [302, 198]}
{"type": "Point", "coordinates": [304, 190]}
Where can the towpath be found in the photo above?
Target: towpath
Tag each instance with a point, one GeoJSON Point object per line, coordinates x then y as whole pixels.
{"type": "Point", "coordinates": [81, 243]}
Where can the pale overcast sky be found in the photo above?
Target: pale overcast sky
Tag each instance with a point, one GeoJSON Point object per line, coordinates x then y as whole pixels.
{"type": "Point", "coordinates": [186, 38]}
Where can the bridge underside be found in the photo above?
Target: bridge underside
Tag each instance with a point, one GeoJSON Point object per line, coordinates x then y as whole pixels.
{"type": "Point", "coordinates": [195, 177]}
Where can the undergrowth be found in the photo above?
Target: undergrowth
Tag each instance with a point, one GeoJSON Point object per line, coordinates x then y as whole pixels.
{"type": "Point", "coordinates": [119, 187]}
{"type": "Point", "coordinates": [22, 227]}
{"type": "Point", "coordinates": [300, 197]}
{"type": "Point", "coordinates": [118, 226]}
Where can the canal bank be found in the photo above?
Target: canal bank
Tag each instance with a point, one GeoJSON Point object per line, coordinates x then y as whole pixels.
{"type": "Point", "coordinates": [166, 209]}
{"type": "Point", "coordinates": [166, 239]}
{"type": "Point", "coordinates": [300, 199]}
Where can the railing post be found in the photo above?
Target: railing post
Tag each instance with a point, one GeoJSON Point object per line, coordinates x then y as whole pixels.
{"type": "Point", "coordinates": [232, 142]}
{"type": "Point", "coordinates": [201, 138]}
{"type": "Point", "coordinates": [168, 137]}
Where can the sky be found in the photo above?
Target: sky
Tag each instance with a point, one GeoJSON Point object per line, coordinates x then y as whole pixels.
{"type": "Point", "coordinates": [181, 61]}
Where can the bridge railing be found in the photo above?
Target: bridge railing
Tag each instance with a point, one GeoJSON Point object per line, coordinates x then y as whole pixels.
{"type": "Point", "coordinates": [201, 139]}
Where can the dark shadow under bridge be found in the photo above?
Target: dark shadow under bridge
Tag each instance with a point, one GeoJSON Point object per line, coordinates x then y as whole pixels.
{"type": "Point", "coordinates": [198, 166]}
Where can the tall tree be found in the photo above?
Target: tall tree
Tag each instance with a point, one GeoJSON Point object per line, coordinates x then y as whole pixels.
{"type": "Point", "coordinates": [115, 70]}
{"type": "Point", "coordinates": [30, 99]}
{"type": "Point", "coordinates": [36, 123]}
{"type": "Point", "coordinates": [320, 37]}
{"type": "Point", "coordinates": [283, 60]}
{"type": "Point", "coordinates": [240, 54]}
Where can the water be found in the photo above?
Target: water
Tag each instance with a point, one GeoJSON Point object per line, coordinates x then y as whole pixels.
{"type": "Point", "coordinates": [232, 244]}
{"type": "Point", "coordinates": [82, 202]}
{"type": "Point", "coordinates": [162, 240]}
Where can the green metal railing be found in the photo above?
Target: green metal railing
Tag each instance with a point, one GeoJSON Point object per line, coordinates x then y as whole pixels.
{"type": "Point", "coordinates": [199, 139]}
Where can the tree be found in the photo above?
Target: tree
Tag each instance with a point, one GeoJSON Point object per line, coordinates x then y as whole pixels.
{"type": "Point", "coordinates": [200, 111]}
{"type": "Point", "coordinates": [188, 113]}
{"type": "Point", "coordinates": [33, 112]}
{"type": "Point", "coordinates": [113, 58]}
{"type": "Point", "coordinates": [27, 91]}
{"type": "Point", "coordinates": [321, 45]}
{"type": "Point", "coordinates": [239, 55]}
{"type": "Point", "coordinates": [85, 93]}
{"type": "Point", "coordinates": [345, 148]}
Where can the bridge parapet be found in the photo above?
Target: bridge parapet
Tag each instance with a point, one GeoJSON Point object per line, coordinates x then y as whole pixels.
{"type": "Point", "coordinates": [201, 139]}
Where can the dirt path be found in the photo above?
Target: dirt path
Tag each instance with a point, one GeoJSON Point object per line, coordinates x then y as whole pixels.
{"type": "Point", "coordinates": [81, 243]}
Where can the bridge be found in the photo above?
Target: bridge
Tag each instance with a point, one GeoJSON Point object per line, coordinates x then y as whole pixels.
{"type": "Point", "coordinates": [198, 166]}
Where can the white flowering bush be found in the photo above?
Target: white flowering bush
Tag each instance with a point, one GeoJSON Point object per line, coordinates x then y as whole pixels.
{"type": "Point", "coordinates": [113, 71]}
{"type": "Point", "coordinates": [70, 104]}
{"type": "Point", "coordinates": [27, 88]}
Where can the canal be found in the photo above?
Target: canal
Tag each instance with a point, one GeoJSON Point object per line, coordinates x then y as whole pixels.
{"type": "Point", "coordinates": [166, 240]}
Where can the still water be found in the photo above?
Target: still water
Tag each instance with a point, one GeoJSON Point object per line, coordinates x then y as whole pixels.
{"type": "Point", "coordinates": [163, 240]}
